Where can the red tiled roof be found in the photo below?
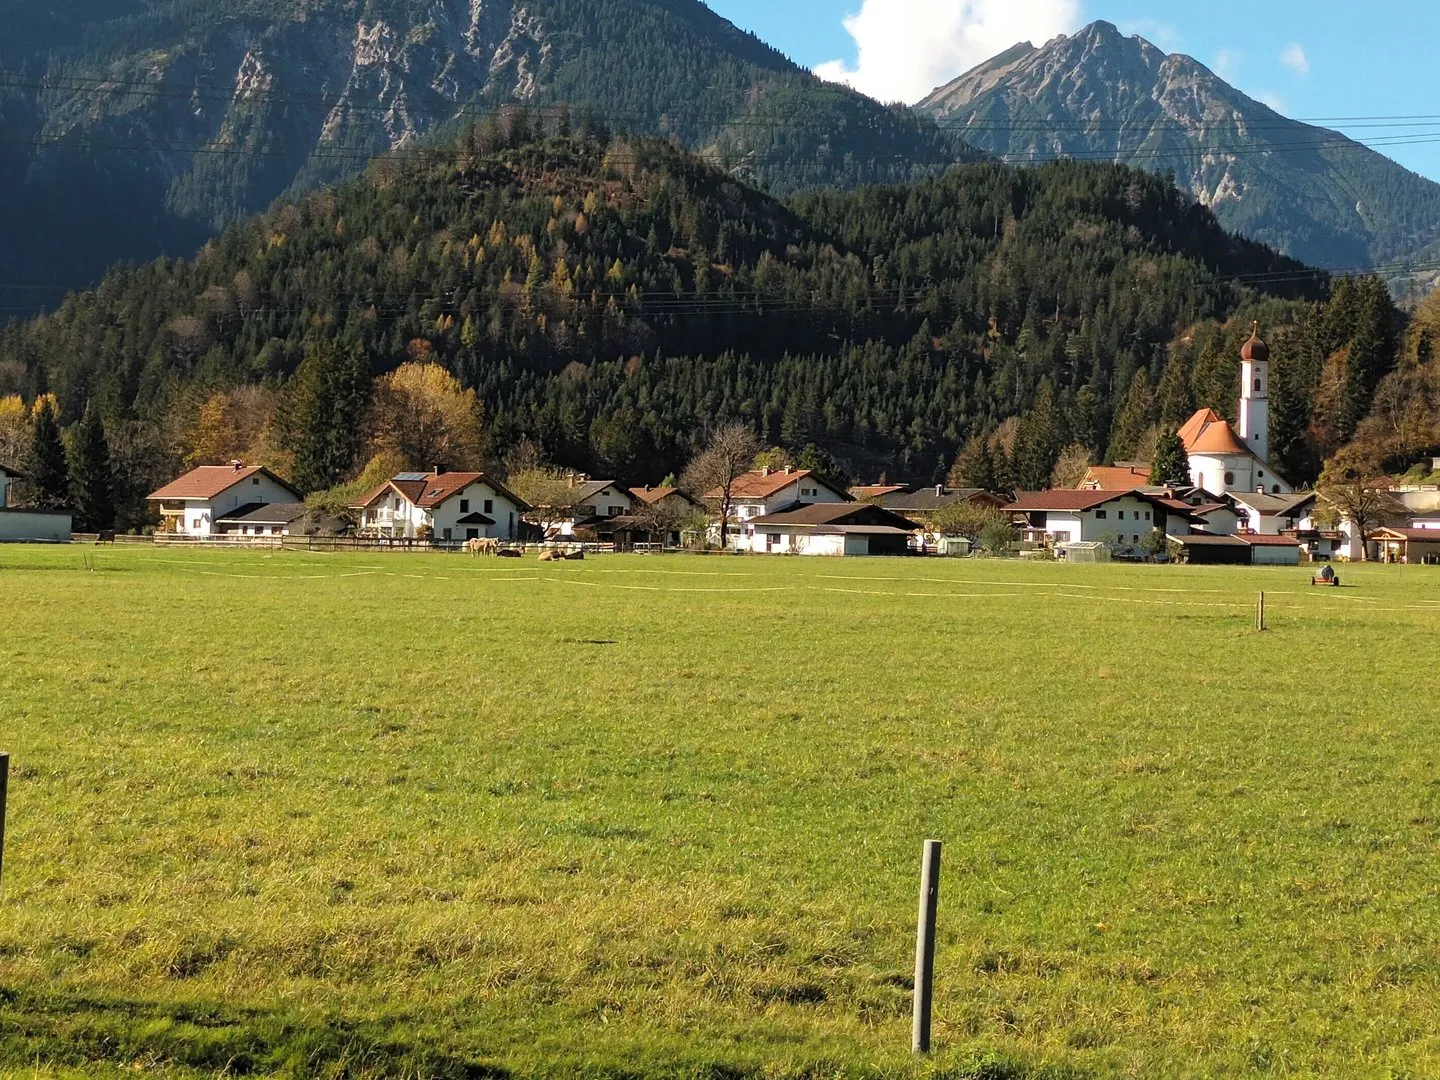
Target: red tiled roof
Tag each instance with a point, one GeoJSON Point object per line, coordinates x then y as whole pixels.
{"type": "Point", "coordinates": [651, 496]}
{"type": "Point", "coordinates": [208, 481]}
{"type": "Point", "coordinates": [1258, 540]}
{"type": "Point", "coordinates": [758, 484]}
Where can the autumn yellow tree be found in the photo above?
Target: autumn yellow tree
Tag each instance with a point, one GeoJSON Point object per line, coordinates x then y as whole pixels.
{"type": "Point", "coordinates": [235, 424]}
{"type": "Point", "coordinates": [15, 429]}
{"type": "Point", "coordinates": [420, 414]}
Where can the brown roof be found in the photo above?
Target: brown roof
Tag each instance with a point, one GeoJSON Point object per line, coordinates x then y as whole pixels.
{"type": "Point", "coordinates": [1426, 536]}
{"type": "Point", "coordinates": [874, 491]}
{"type": "Point", "coordinates": [1259, 540]}
{"type": "Point", "coordinates": [812, 515]}
{"type": "Point", "coordinates": [435, 489]}
{"type": "Point", "coordinates": [1062, 500]}
{"type": "Point", "coordinates": [761, 483]}
{"type": "Point", "coordinates": [210, 480]}
{"type": "Point", "coordinates": [1114, 478]}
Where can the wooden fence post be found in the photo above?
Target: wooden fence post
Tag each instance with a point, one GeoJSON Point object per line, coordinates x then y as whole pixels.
{"type": "Point", "coordinates": [4, 792]}
{"type": "Point", "coordinates": [925, 947]}
{"type": "Point", "coordinates": [1260, 614]}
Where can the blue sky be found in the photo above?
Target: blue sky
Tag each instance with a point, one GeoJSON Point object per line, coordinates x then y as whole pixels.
{"type": "Point", "coordinates": [1311, 59]}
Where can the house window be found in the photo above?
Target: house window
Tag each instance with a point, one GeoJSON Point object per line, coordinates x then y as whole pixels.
{"type": "Point", "coordinates": [1257, 386]}
{"type": "Point", "coordinates": [255, 480]}
{"type": "Point", "coordinates": [196, 524]}
{"type": "Point", "coordinates": [1134, 539]}
{"type": "Point", "coordinates": [1147, 515]}
{"type": "Point", "coordinates": [397, 504]}
{"type": "Point", "coordinates": [1121, 515]}
{"type": "Point", "coordinates": [464, 506]}
{"type": "Point", "coordinates": [472, 534]}
{"type": "Point", "coordinates": [489, 506]}
{"type": "Point", "coordinates": [1262, 473]}
{"type": "Point", "coordinates": [1229, 479]}
{"type": "Point", "coordinates": [1101, 515]}
{"type": "Point", "coordinates": [446, 534]}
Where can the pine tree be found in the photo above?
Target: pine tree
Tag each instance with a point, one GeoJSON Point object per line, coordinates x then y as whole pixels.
{"type": "Point", "coordinates": [49, 471]}
{"type": "Point", "coordinates": [92, 481]}
{"type": "Point", "coordinates": [975, 467]}
{"type": "Point", "coordinates": [1171, 467]}
{"type": "Point", "coordinates": [324, 407]}
{"type": "Point", "coordinates": [1038, 445]}
{"type": "Point", "coordinates": [1135, 416]}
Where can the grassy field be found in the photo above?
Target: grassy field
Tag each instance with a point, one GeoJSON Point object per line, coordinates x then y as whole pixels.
{"type": "Point", "coordinates": [370, 815]}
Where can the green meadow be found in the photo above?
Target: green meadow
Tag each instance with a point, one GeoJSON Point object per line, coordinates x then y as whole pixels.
{"type": "Point", "coordinates": [366, 815]}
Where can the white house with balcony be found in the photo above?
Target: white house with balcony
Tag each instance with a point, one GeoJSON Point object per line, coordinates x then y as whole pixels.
{"type": "Point", "coordinates": [766, 491]}
{"type": "Point", "coordinates": [193, 504]}
{"type": "Point", "coordinates": [441, 505]}
{"type": "Point", "coordinates": [1123, 518]}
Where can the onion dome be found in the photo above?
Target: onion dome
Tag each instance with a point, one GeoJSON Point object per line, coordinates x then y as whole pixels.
{"type": "Point", "coordinates": [1255, 350]}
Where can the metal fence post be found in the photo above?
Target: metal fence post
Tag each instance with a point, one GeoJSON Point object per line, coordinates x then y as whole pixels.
{"type": "Point", "coordinates": [1260, 614]}
{"type": "Point", "coordinates": [4, 793]}
{"type": "Point", "coordinates": [925, 947]}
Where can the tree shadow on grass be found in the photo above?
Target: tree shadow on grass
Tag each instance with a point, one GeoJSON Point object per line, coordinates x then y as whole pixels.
{"type": "Point", "coordinates": [74, 1031]}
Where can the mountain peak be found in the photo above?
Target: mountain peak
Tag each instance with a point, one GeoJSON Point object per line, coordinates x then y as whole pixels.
{"type": "Point", "coordinates": [1099, 94]}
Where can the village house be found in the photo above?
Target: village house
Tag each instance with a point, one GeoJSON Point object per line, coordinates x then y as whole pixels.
{"type": "Point", "coordinates": [20, 524]}
{"type": "Point", "coordinates": [627, 530]}
{"type": "Point", "coordinates": [830, 529]}
{"type": "Point", "coordinates": [584, 504]}
{"type": "Point", "coordinates": [193, 504]}
{"type": "Point", "coordinates": [1415, 546]}
{"type": "Point", "coordinates": [442, 505]}
{"type": "Point", "coordinates": [872, 492]}
{"type": "Point", "coordinates": [1226, 459]}
{"type": "Point", "coordinates": [1122, 476]}
{"type": "Point", "coordinates": [768, 490]}
{"type": "Point", "coordinates": [1271, 515]}
{"type": "Point", "coordinates": [926, 506]}
{"type": "Point", "coordinates": [1246, 549]}
{"type": "Point", "coordinates": [1123, 518]}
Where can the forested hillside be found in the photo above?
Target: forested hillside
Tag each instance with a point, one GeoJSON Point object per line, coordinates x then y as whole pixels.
{"type": "Point", "coordinates": [611, 298]}
{"type": "Point", "coordinates": [144, 126]}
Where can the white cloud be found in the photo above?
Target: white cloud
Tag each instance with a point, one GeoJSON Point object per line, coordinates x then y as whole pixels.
{"type": "Point", "coordinates": [1293, 57]}
{"type": "Point", "coordinates": [906, 48]}
{"type": "Point", "coordinates": [1227, 64]}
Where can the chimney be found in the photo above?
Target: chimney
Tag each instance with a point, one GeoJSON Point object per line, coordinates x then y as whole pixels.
{"type": "Point", "coordinates": [764, 470]}
{"type": "Point", "coordinates": [939, 490]}
{"type": "Point", "coordinates": [789, 469]}
{"type": "Point", "coordinates": [570, 480]}
{"type": "Point", "coordinates": [439, 468]}
{"type": "Point", "coordinates": [236, 464]}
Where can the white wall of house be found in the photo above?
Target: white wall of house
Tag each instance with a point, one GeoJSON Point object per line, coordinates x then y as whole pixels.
{"type": "Point", "coordinates": [199, 515]}
{"type": "Point", "coordinates": [805, 490]}
{"type": "Point", "coordinates": [1224, 522]}
{"type": "Point", "coordinates": [787, 540]}
{"type": "Point", "coordinates": [395, 515]}
{"type": "Point", "coordinates": [1127, 518]}
{"type": "Point", "coordinates": [34, 526]}
{"type": "Point", "coordinates": [5, 479]}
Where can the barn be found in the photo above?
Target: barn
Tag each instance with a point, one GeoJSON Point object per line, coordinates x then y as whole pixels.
{"type": "Point", "coordinates": [830, 529]}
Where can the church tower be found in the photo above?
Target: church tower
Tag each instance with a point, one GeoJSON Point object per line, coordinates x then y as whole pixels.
{"type": "Point", "coordinates": [1255, 395]}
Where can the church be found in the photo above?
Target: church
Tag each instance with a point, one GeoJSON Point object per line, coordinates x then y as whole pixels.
{"type": "Point", "coordinates": [1225, 459]}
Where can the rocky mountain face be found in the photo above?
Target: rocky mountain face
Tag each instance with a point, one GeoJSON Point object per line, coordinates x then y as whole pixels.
{"type": "Point", "coordinates": [141, 127]}
{"type": "Point", "coordinates": [1100, 95]}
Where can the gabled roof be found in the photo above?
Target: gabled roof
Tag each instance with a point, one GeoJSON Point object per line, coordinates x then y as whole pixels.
{"type": "Point", "coordinates": [208, 481]}
{"type": "Point", "coordinates": [762, 483]}
{"type": "Point", "coordinates": [1274, 505]}
{"type": "Point", "coordinates": [1424, 536]}
{"type": "Point", "coordinates": [1063, 501]}
{"type": "Point", "coordinates": [817, 515]}
{"type": "Point", "coordinates": [588, 489]}
{"type": "Point", "coordinates": [12, 472]}
{"type": "Point", "coordinates": [435, 489]}
{"type": "Point", "coordinates": [1261, 540]}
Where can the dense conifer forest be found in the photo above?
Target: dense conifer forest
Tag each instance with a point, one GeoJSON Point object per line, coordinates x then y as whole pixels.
{"type": "Point", "coordinates": [612, 298]}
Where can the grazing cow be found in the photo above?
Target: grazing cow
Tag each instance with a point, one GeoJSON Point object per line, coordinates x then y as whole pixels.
{"type": "Point", "coordinates": [482, 546]}
{"type": "Point", "coordinates": [105, 536]}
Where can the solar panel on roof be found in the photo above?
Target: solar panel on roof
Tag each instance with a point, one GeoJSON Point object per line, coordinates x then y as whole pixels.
{"type": "Point", "coordinates": [413, 476]}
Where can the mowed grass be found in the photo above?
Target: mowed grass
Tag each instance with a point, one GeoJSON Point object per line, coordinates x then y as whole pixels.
{"type": "Point", "coordinates": [372, 815]}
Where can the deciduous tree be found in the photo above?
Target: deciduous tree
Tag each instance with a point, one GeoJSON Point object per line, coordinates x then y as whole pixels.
{"type": "Point", "coordinates": [712, 474]}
